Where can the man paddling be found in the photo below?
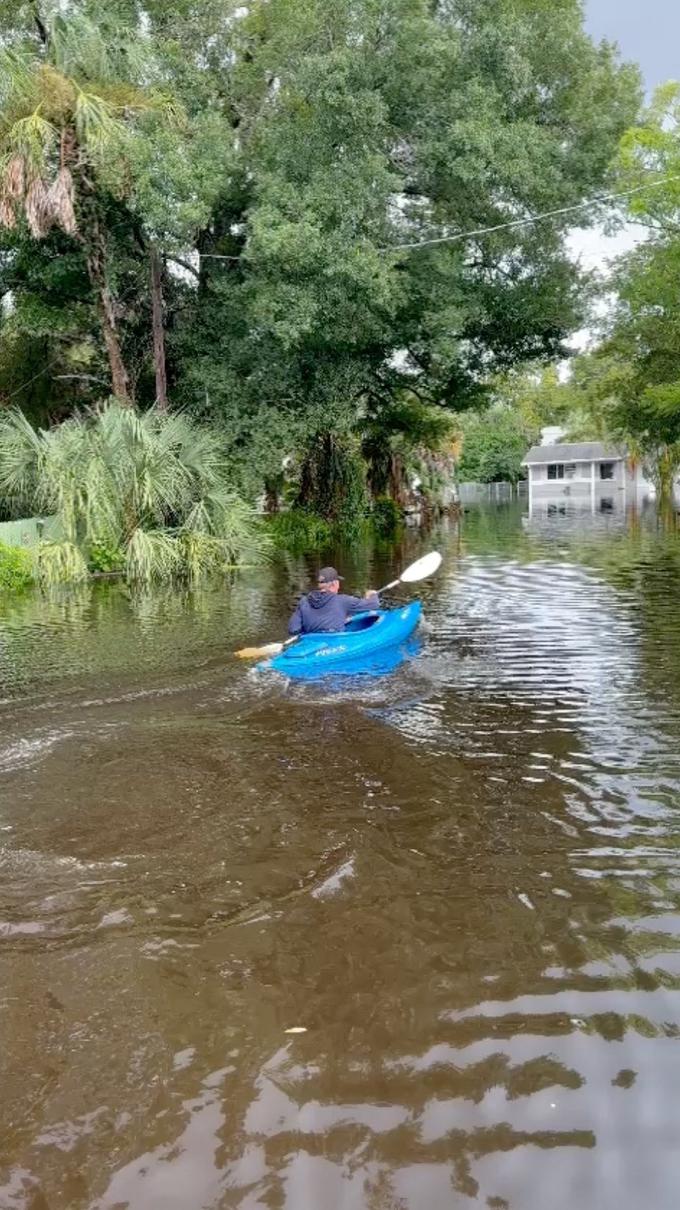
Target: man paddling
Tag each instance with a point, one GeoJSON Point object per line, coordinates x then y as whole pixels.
{"type": "Point", "coordinates": [327, 609]}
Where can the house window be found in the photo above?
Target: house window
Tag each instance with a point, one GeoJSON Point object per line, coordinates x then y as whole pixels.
{"type": "Point", "coordinates": [606, 470]}
{"type": "Point", "coordinates": [556, 470]}
{"type": "Point", "coordinates": [569, 470]}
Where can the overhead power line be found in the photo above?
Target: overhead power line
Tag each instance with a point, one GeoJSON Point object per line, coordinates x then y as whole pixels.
{"type": "Point", "coordinates": [534, 218]}
{"type": "Point", "coordinates": [519, 222]}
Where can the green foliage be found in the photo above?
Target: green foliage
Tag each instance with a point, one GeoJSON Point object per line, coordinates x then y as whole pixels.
{"type": "Point", "coordinates": [394, 435]}
{"type": "Point", "coordinates": [386, 517]}
{"type": "Point", "coordinates": [151, 485]}
{"type": "Point", "coordinates": [289, 152]}
{"type": "Point", "coordinates": [633, 387]}
{"type": "Point", "coordinates": [538, 395]}
{"type": "Point", "coordinates": [494, 444]}
{"type": "Point", "coordinates": [392, 125]}
{"type": "Point", "coordinates": [103, 558]}
{"type": "Point", "coordinates": [298, 531]}
{"type": "Point", "coordinates": [16, 568]}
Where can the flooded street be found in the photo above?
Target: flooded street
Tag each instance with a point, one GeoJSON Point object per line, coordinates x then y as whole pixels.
{"type": "Point", "coordinates": [404, 943]}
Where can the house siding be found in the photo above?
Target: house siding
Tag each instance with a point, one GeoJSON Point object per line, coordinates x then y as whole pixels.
{"type": "Point", "coordinates": [581, 481]}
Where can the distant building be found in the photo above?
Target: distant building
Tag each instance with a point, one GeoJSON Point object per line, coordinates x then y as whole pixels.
{"type": "Point", "coordinates": [584, 472]}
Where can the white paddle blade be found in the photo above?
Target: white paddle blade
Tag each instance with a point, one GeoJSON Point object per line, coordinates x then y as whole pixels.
{"type": "Point", "coordinates": [424, 567]}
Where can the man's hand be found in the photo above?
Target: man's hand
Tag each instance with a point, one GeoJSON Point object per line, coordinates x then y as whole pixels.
{"type": "Point", "coordinates": [371, 593]}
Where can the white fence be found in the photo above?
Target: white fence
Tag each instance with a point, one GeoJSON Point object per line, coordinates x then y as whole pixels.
{"type": "Point", "coordinates": [29, 531]}
{"type": "Point", "coordinates": [494, 493]}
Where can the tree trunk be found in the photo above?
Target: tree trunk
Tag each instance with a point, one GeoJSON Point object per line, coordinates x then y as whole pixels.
{"type": "Point", "coordinates": [665, 475]}
{"type": "Point", "coordinates": [96, 267]}
{"type": "Point", "coordinates": [272, 501]}
{"type": "Point", "coordinates": [399, 489]}
{"type": "Point", "coordinates": [158, 329]}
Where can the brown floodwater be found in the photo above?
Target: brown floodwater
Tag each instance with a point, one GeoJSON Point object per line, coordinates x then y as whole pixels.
{"type": "Point", "coordinates": [403, 943]}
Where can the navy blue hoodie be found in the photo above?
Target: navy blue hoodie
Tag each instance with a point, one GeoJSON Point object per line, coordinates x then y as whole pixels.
{"type": "Point", "coordinates": [327, 612]}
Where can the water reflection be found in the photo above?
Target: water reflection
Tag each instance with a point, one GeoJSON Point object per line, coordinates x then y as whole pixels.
{"type": "Point", "coordinates": [461, 881]}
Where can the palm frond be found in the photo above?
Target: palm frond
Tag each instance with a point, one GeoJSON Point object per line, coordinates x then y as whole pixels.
{"type": "Point", "coordinates": [60, 563]}
{"type": "Point", "coordinates": [102, 51]}
{"type": "Point", "coordinates": [32, 137]}
{"type": "Point", "coordinates": [151, 555]}
{"type": "Point", "coordinates": [78, 46]}
{"type": "Point", "coordinates": [17, 76]}
{"type": "Point", "coordinates": [152, 484]}
{"type": "Point", "coordinates": [201, 555]}
{"type": "Point", "coordinates": [20, 458]}
{"type": "Point", "coordinates": [96, 125]}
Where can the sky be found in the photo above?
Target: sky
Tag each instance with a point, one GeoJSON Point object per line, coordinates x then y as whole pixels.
{"type": "Point", "coordinates": [648, 33]}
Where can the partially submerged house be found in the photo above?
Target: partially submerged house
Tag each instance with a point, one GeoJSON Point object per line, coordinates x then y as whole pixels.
{"type": "Point", "coordinates": [584, 472]}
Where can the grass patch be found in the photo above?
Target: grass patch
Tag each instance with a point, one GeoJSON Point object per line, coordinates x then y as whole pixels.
{"type": "Point", "coordinates": [16, 568]}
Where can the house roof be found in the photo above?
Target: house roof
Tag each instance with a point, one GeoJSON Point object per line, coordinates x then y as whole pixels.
{"type": "Point", "coordinates": [579, 451]}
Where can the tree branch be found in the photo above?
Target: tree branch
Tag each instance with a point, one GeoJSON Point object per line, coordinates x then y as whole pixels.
{"type": "Point", "coordinates": [184, 264]}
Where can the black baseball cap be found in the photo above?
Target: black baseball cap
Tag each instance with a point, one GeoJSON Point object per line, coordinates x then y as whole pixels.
{"type": "Point", "coordinates": [327, 575]}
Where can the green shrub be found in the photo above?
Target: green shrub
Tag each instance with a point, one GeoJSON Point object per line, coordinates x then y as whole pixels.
{"type": "Point", "coordinates": [154, 484]}
{"type": "Point", "coordinates": [299, 530]}
{"type": "Point", "coordinates": [386, 516]}
{"type": "Point", "coordinates": [16, 568]}
{"type": "Point", "coordinates": [105, 558]}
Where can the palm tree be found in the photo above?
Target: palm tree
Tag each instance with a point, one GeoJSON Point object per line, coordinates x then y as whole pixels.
{"type": "Point", "coordinates": [67, 115]}
{"type": "Point", "coordinates": [151, 485]}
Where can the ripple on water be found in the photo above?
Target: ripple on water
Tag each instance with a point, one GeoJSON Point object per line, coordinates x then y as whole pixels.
{"type": "Point", "coordinates": [459, 886]}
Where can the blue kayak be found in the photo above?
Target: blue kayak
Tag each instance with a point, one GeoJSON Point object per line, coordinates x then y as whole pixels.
{"type": "Point", "coordinates": [366, 636]}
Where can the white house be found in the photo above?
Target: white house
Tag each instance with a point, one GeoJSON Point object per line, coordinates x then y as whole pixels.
{"type": "Point", "coordinates": [583, 472]}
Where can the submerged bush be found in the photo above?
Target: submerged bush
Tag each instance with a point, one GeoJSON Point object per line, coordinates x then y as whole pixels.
{"type": "Point", "coordinates": [106, 559]}
{"type": "Point", "coordinates": [299, 530]}
{"type": "Point", "coordinates": [147, 490]}
{"type": "Point", "coordinates": [16, 568]}
{"type": "Point", "coordinates": [387, 517]}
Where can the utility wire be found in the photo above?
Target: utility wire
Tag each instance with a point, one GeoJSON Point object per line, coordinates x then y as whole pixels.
{"type": "Point", "coordinates": [448, 239]}
{"type": "Point", "coordinates": [519, 222]}
{"type": "Point", "coordinates": [535, 218]}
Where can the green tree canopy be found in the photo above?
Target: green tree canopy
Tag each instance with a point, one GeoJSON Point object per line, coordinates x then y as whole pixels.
{"type": "Point", "coordinates": [333, 157]}
{"type": "Point", "coordinates": [494, 445]}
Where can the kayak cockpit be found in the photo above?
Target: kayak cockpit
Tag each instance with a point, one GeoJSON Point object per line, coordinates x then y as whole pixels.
{"type": "Point", "coordinates": [362, 621]}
